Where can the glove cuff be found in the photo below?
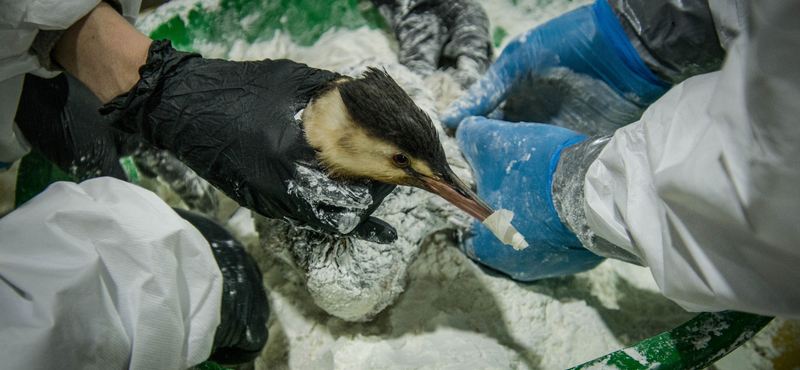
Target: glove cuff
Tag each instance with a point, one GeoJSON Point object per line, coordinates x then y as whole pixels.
{"type": "Point", "coordinates": [611, 30]}
{"type": "Point", "coordinates": [244, 308]}
{"type": "Point", "coordinates": [128, 111]}
{"type": "Point", "coordinates": [676, 39]}
{"type": "Point", "coordinates": [554, 161]}
{"type": "Point", "coordinates": [568, 198]}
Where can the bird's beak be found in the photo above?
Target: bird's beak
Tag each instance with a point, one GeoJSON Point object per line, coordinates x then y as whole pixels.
{"type": "Point", "coordinates": [452, 189]}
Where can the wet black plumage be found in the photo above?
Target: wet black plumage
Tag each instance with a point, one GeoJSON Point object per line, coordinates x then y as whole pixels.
{"type": "Point", "coordinates": [397, 119]}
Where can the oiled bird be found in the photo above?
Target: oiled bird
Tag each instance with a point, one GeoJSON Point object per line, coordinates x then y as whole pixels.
{"type": "Point", "coordinates": [369, 128]}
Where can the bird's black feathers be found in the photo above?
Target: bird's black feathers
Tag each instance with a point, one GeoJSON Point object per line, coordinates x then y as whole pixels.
{"type": "Point", "coordinates": [378, 104]}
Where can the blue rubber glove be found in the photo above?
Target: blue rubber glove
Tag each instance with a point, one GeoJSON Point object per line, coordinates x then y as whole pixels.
{"type": "Point", "coordinates": [578, 71]}
{"type": "Point", "coordinates": [514, 165]}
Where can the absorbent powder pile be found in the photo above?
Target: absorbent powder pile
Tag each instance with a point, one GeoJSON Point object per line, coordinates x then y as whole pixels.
{"type": "Point", "coordinates": [420, 303]}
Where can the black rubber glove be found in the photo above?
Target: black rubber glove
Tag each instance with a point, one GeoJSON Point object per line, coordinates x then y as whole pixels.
{"type": "Point", "coordinates": [242, 332]}
{"type": "Point", "coordinates": [233, 123]}
{"type": "Point", "coordinates": [59, 117]}
{"type": "Point", "coordinates": [440, 33]}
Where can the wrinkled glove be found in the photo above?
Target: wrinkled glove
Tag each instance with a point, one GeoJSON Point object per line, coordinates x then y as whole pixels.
{"type": "Point", "coordinates": [58, 116]}
{"type": "Point", "coordinates": [242, 332]}
{"type": "Point", "coordinates": [440, 33]}
{"type": "Point", "coordinates": [514, 165]}
{"type": "Point", "coordinates": [234, 124]}
{"type": "Point", "coordinates": [578, 71]}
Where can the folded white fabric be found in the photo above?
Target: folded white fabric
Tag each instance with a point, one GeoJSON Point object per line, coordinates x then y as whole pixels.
{"type": "Point", "coordinates": [104, 275]}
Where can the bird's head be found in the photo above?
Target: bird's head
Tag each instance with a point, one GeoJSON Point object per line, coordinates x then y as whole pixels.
{"type": "Point", "coordinates": [370, 128]}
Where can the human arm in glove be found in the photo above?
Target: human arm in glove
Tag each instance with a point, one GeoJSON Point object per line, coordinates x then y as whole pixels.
{"type": "Point", "coordinates": [702, 189]}
{"type": "Point", "coordinates": [58, 116]}
{"type": "Point", "coordinates": [105, 267]}
{"type": "Point", "coordinates": [244, 310]}
{"type": "Point", "coordinates": [582, 71]}
{"type": "Point", "coordinates": [435, 34]}
{"type": "Point", "coordinates": [231, 122]}
{"type": "Point", "coordinates": [528, 154]}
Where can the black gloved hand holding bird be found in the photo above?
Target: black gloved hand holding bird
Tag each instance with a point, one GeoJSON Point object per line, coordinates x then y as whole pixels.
{"type": "Point", "coordinates": [242, 134]}
{"type": "Point", "coordinates": [234, 124]}
{"type": "Point", "coordinates": [237, 125]}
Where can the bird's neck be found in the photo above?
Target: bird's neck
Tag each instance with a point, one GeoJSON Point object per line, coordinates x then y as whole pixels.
{"type": "Point", "coordinates": [344, 148]}
{"type": "Point", "coordinates": [328, 125]}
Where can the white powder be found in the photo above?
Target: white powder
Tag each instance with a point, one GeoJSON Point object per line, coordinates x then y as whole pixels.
{"type": "Point", "coordinates": [169, 9]}
{"type": "Point", "coordinates": [634, 354]}
{"type": "Point", "coordinates": [451, 314]}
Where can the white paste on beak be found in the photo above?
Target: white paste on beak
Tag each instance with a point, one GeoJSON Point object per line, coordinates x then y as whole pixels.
{"type": "Point", "coordinates": [500, 224]}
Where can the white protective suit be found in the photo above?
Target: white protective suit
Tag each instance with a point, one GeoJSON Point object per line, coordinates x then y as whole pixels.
{"type": "Point", "coordinates": [101, 275]}
{"type": "Point", "coordinates": [705, 188]}
{"type": "Point", "coordinates": [20, 21]}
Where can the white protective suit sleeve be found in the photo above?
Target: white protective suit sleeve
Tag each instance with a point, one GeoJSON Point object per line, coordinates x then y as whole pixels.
{"type": "Point", "coordinates": [705, 188]}
{"type": "Point", "coordinates": [20, 21]}
{"type": "Point", "coordinates": [104, 275]}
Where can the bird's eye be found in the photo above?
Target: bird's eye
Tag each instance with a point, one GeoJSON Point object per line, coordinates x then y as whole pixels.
{"type": "Point", "coordinates": [400, 160]}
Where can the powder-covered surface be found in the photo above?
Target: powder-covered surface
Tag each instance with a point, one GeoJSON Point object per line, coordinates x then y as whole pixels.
{"type": "Point", "coordinates": [193, 190]}
{"type": "Point", "coordinates": [444, 312]}
{"type": "Point", "coordinates": [319, 190]}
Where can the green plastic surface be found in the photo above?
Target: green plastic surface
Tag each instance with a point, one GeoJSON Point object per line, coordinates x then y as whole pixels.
{"type": "Point", "coordinates": [252, 20]}
{"type": "Point", "coordinates": [130, 169]}
{"type": "Point", "coordinates": [208, 365]}
{"type": "Point", "coordinates": [694, 345]}
{"type": "Point", "coordinates": [35, 174]}
{"type": "Point", "coordinates": [498, 35]}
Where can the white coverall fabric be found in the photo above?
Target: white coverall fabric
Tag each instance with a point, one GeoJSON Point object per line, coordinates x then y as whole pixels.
{"type": "Point", "coordinates": [101, 275]}
{"type": "Point", "coordinates": [20, 21]}
{"type": "Point", "coordinates": [104, 275]}
{"type": "Point", "coordinates": [730, 18]}
{"type": "Point", "coordinates": [706, 186]}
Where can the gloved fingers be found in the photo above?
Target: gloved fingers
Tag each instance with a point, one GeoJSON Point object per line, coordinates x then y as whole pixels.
{"type": "Point", "coordinates": [469, 45]}
{"type": "Point", "coordinates": [468, 70]}
{"type": "Point", "coordinates": [509, 144]}
{"type": "Point", "coordinates": [312, 80]}
{"type": "Point", "coordinates": [338, 207]}
{"type": "Point", "coordinates": [540, 260]}
{"type": "Point", "coordinates": [375, 230]}
{"type": "Point", "coordinates": [379, 192]}
{"type": "Point", "coordinates": [513, 165]}
{"type": "Point", "coordinates": [327, 203]}
{"type": "Point", "coordinates": [421, 39]}
{"type": "Point", "coordinates": [434, 34]}
{"type": "Point", "coordinates": [486, 94]}
{"type": "Point", "coordinates": [476, 133]}
{"type": "Point", "coordinates": [497, 113]}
